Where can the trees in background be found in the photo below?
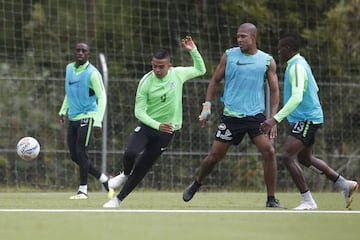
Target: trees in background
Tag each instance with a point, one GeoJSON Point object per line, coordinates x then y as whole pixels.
{"type": "Point", "coordinates": [38, 37]}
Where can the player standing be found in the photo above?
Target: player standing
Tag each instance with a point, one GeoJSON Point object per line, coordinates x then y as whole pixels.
{"type": "Point", "coordinates": [245, 69]}
{"type": "Point", "coordinates": [85, 103]}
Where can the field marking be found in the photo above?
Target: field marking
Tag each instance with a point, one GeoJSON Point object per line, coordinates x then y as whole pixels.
{"type": "Point", "coordinates": [176, 211]}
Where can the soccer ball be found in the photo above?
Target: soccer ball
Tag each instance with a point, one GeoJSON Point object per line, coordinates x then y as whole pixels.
{"type": "Point", "coordinates": [28, 148]}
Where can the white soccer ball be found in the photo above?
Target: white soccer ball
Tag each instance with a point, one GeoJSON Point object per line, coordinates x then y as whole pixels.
{"type": "Point", "coordinates": [28, 148]}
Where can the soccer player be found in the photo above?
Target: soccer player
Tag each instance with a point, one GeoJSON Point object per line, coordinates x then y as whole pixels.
{"type": "Point", "coordinates": [245, 69]}
{"type": "Point", "coordinates": [158, 107]}
{"type": "Point", "coordinates": [85, 103]}
{"type": "Point", "coordinates": [303, 110]}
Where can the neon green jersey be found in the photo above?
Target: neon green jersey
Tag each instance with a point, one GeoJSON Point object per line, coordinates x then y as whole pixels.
{"type": "Point", "coordinates": [160, 100]}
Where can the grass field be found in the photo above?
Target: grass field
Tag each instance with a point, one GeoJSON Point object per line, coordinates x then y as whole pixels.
{"type": "Point", "coordinates": [163, 215]}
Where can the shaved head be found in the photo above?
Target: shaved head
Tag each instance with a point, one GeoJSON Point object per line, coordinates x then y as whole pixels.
{"type": "Point", "coordinates": [246, 38]}
{"type": "Point", "coordinates": [248, 27]}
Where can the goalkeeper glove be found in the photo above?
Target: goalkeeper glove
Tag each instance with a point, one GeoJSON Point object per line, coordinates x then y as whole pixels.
{"type": "Point", "coordinates": [206, 111]}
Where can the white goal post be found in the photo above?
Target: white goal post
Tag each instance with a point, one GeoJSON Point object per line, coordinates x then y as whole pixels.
{"type": "Point", "coordinates": [104, 128]}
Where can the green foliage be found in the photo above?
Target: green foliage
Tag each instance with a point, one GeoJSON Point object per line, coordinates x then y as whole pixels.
{"type": "Point", "coordinates": [337, 64]}
{"type": "Point", "coordinates": [37, 42]}
{"type": "Point", "coordinates": [248, 11]}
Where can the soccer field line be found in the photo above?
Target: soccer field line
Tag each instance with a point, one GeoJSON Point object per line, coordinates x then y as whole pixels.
{"type": "Point", "coordinates": [176, 211]}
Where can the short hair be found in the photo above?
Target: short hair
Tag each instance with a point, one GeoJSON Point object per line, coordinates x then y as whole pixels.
{"type": "Point", "coordinates": [161, 54]}
{"type": "Point", "coordinates": [83, 42]}
{"type": "Point", "coordinates": [250, 27]}
{"type": "Point", "coordinates": [292, 39]}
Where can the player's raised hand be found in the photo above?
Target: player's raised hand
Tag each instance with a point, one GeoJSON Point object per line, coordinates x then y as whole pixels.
{"type": "Point", "coordinates": [188, 43]}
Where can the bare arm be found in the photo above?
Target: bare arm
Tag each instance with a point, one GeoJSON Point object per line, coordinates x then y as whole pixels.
{"type": "Point", "coordinates": [216, 78]}
{"type": "Point", "coordinates": [269, 126]}
{"type": "Point", "coordinates": [274, 88]}
{"type": "Point", "coordinates": [213, 84]}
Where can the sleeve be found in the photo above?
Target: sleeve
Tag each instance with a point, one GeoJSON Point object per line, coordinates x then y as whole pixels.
{"type": "Point", "coordinates": [141, 107]}
{"type": "Point", "coordinates": [96, 83]}
{"type": "Point", "coordinates": [198, 68]}
{"type": "Point", "coordinates": [64, 107]}
{"type": "Point", "coordinates": [298, 77]}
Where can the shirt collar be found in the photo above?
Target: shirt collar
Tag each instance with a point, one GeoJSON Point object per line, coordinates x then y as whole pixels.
{"type": "Point", "coordinates": [81, 67]}
{"type": "Point", "coordinates": [292, 58]}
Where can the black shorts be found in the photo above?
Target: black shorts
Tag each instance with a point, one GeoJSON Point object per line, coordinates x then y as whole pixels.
{"type": "Point", "coordinates": [232, 129]}
{"type": "Point", "coordinates": [146, 138]}
{"type": "Point", "coordinates": [305, 131]}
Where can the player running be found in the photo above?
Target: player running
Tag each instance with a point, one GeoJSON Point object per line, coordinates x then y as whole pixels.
{"type": "Point", "coordinates": [304, 112]}
{"type": "Point", "coordinates": [158, 107]}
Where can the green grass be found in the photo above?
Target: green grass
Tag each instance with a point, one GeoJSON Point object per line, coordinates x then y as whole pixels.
{"type": "Point", "coordinates": [90, 225]}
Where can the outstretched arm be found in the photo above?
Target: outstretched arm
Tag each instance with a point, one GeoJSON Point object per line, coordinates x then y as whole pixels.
{"type": "Point", "coordinates": [212, 87]}
{"type": "Point", "coordinates": [198, 68]}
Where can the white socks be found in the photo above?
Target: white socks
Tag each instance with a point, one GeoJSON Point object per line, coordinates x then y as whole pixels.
{"type": "Point", "coordinates": [103, 178]}
{"type": "Point", "coordinates": [83, 189]}
{"type": "Point", "coordinates": [307, 197]}
{"type": "Point", "coordinates": [341, 182]}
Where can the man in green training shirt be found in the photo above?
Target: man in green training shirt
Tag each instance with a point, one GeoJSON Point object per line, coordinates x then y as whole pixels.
{"type": "Point", "coordinates": [85, 103]}
{"type": "Point", "coordinates": [303, 111]}
{"type": "Point", "coordinates": [158, 107]}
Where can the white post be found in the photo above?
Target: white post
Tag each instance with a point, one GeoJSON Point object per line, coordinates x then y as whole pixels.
{"type": "Point", "coordinates": [104, 127]}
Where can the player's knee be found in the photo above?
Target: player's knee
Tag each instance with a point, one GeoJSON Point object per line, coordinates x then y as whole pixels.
{"type": "Point", "coordinates": [271, 151]}
{"type": "Point", "coordinates": [288, 159]}
{"type": "Point", "coordinates": [130, 155]}
{"type": "Point", "coordinates": [79, 156]}
{"type": "Point", "coordinates": [73, 157]}
{"type": "Point", "coordinates": [268, 153]}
